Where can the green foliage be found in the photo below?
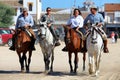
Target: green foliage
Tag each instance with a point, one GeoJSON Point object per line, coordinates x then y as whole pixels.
{"type": "Point", "coordinates": [6, 15]}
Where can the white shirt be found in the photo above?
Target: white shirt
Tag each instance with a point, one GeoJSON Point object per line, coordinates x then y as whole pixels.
{"type": "Point", "coordinates": [76, 21]}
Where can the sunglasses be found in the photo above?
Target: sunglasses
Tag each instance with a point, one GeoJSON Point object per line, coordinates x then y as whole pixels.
{"type": "Point", "coordinates": [48, 10]}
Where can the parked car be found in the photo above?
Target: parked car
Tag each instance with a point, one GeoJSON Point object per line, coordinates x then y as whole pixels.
{"type": "Point", "coordinates": [6, 36]}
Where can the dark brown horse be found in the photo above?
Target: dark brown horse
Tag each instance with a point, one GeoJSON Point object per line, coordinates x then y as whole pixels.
{"type": "Point", "coordinates": [23, 44]}
{"type": "Point", "coordinates": [74, 45]}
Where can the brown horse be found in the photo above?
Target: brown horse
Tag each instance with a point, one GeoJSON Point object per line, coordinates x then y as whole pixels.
{"type": "Point", "coordinates": [74, 45]}
{"type": "Point", "coordinates": [23, 43]}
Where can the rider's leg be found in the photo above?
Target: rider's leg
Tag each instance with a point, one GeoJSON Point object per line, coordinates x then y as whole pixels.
{"type": "Point", "coordinates": [13, 43]}
{"type": "Point", "coordinates": [65, 40]}
{"type": "Point", "coordinates": [57, 43]}
{"type": "Point", "coordinates": [104, 36]}
{"type": "Point", "coordinates": [84, 48]}
{"type": "Point", "coordinates": [33, 38]}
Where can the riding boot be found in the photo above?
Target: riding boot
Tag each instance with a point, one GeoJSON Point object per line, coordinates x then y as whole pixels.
{"type": "Point", "coordinates": [65, 48]}
{"type": "Point", "coordinates": [65, 40]}
{"type": "Point", "coordinates": [105, 46]}
{"type": "Point", "coordinates": [57, 43]}
{"type": "Point", "coordinates": [84, 48]}
{"type": "Point", "coordinates": [13, 44]}
{"type": "Point", "coordinates": [32, 44]}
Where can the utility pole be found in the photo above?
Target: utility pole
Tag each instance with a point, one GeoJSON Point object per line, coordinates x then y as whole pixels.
{"type": "Point", "coordinates": [74, 3]}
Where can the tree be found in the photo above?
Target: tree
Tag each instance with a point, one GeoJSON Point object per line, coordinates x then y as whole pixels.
{"type": "Point", "coordinates": [6, 15]}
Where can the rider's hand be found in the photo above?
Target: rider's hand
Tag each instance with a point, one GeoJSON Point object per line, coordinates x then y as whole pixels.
{"type": "Point", "coordinates": [49, 24]}
{"type": "Point", "coordinates": [77, 29]}
{"type": "Point", "coordinates": [99, 24]}
{"type": "Point", "coordinates": [27, 26]}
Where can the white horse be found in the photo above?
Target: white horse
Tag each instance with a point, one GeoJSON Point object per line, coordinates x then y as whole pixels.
{"type": "Point", "coordinates": [47, 46]}
{"type": "Point", "coordinates": [94, 47]}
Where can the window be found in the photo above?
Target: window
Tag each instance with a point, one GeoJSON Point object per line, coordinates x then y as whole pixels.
{"type": "Point", "coordinates": [30, 6]}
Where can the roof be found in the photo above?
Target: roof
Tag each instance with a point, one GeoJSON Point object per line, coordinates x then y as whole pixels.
{"type": "Point", "coordinates": [112, 7]}
{"type": "Point", "coordinates": [13, 3]}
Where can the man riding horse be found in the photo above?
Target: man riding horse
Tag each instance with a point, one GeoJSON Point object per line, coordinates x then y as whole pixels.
{"type": "Point", "coordinates": [97, 18]}
{"type": "Point", "coordinates": [50, 20]}
{"type": "Point", "coordinates": [24, 22]}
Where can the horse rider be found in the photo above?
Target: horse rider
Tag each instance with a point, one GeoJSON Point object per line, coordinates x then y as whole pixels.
{"type": "Point", "coordinates": [49, 18]}
{"type": "Point", "coordinates": [76, 23]}
{"type": "Point", "coordinates": [97, 18]}
{"type": "Point", "coordinates": [24, 22]}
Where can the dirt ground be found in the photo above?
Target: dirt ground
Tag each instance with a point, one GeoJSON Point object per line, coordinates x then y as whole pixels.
{"type": "Point", "coordinates": [10, 67]}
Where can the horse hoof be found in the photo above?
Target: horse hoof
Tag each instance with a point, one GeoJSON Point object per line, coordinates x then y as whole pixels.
{"type": "Point", "coordinates": [71, 71]}
{"type": "Point", "coordinates": [22, 71]}
{"type": "Point", "coordinates": [51, 71]}
{"type": "Point", "coordinates": [47, 71]}
{"type": "Point", "coordinates": [75, 72]}
{"type": "Point", "coordinates": [90, 73]}
{"type": "Point", "coordinates": [27, 71]}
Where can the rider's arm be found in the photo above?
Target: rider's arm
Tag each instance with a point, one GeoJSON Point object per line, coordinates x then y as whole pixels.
{"type": "Point", "coordinates": [86, 20]}
{"type": "Point", "coordinates": [31, 21]}
{"type": "Point", "coordinates": [16, 26]}
{"type": "Point", "coordinates": [101, 23]}
{"type": "Point", "coordinates": [69, 22]}
{"type": "Point", "coordinates": [101, 19]}
{"type": "Point", "coordinates": [81, 21]}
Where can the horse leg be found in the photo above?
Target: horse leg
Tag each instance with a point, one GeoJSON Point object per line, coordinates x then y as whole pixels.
{"type": "Point", "coordinates": [46, 61]}
{"type": "Point", "coordinates": [21, 62]}
{"type": "Point", "coordinates": [97, 63]}
{"type": "Point", "coordinates": [70, 56]}
{"type": "Point", "coordinates": [23, 59]}
{"type": "Point", "coordinates": [76, 62]}
{"type": "Point", "coordinates": [84, 59]}
{"type": "Point", "coordinates": [52, 59]}
{"type": "Point", "coordinates": [29, 60]}
{"type": "Point", "coordinates": [90, 64]}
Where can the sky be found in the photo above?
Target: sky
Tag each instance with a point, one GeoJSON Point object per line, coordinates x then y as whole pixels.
{"type": "Point", "coordinates": [70, 3]}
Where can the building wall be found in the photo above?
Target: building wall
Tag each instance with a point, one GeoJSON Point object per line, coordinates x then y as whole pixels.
{"type": "Point", "coordinates": [26, 3]}
{"type": "Point", "coordinates": [36, 8]}
{"type": "Point", "coordinates": [113, 11]}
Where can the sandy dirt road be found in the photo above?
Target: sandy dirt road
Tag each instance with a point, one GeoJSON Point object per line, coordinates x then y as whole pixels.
{"type": "Point", "coordinates": [10, 68]}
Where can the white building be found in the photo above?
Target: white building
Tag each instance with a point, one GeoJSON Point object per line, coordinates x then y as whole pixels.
{"type": "Point", "coordinates": [34, 8]}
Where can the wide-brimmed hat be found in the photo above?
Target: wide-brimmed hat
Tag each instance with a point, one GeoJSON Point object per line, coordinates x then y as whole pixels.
{"type": "Point", "coordinates": [93, 6]}
{"type": "Point", "coordinates": [25, 9]}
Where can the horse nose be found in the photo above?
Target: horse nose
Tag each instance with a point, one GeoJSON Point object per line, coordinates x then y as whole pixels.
{"type": "Point", "coordinates": [42, 36]}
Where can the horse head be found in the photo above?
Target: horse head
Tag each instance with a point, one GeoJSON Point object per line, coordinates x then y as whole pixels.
{"type": "Point", "coordinates": [94, 34]}
{"type": "Point", "coordinates": [42, 30]}
{"type": "Point", "coordinates": [22, 37]}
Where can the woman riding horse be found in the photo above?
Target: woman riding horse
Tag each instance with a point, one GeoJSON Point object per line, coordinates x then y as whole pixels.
{"type": "Point", "coordinates": [73, 40]}
{"type": "Point", "coordinates": [76, 23]}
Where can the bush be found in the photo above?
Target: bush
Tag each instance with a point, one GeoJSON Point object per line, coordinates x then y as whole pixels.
{"type": "Point", "coordinates": [6, 15]}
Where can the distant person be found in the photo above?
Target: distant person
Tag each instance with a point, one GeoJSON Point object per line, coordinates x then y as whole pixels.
{"type": "Point", "coordinates": [116, 37]}
{"type": "Point", "coordinates": [50, 20]}
{"type": "Point", "coordinates": [113, 37]}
